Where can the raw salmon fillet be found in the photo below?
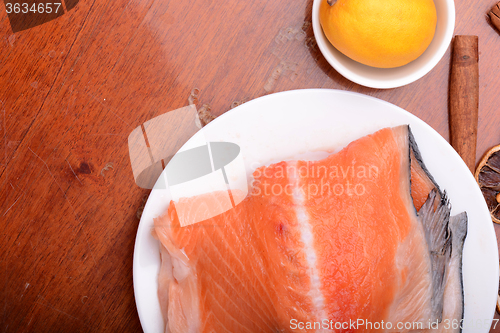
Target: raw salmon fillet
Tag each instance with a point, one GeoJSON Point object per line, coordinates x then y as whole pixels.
{"type": "Point", "coordinates": [355, 242]}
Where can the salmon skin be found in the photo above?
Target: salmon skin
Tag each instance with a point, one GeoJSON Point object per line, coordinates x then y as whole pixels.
{"type": "Point", "coordinates": [422, 182]}
{"type": "Point", "coordinates": [361, 241]}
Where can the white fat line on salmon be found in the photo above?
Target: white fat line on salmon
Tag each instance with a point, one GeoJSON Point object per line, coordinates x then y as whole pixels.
{"type": "Point", "coordinates": [306, 233]}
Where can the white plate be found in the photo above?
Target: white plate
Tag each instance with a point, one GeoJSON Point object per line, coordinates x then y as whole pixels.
{"type": "Point", "coordinates": [295, 123]}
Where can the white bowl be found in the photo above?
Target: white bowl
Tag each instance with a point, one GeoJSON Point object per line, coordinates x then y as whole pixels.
{"type": "Point", "coordinates": [384, 78]}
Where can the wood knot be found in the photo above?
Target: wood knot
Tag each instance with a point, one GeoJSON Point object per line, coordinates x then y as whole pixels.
{"type": "Point", "coordinates": [84, 168]}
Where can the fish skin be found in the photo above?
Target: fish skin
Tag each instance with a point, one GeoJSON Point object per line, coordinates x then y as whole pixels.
{"type": "Point", "coordinates": [445, 236]}
{"type": "Point", "coordinates": [435, 223]}
{"type": "Point", "coordinates": [416, 157]}
{"type": "Point", "coordinates": [454, 291]}
{"type": "Point", "coordinates": [422, 182]}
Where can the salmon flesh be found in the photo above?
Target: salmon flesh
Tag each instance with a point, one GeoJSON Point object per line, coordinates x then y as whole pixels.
{"type": "Point", "coordinates": [361, 241]}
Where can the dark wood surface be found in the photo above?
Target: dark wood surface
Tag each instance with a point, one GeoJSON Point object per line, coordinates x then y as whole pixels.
{"type": "Point", "coordinates": [73, 89]}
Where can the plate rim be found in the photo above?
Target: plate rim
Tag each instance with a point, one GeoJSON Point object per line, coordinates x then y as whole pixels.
{"type": "Point", "coordinates": [241, 108]}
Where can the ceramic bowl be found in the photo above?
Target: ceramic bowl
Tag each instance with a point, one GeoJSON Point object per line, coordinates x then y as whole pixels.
{"type": "Point", "coordinates": [384, 78]}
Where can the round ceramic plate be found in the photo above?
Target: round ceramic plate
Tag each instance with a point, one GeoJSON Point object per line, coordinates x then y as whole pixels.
{"type": "Point", "coordinates": [306, 124]}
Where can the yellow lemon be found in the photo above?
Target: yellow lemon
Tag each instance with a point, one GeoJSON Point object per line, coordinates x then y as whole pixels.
{"type": "Point", "coordinates": [379, 33]}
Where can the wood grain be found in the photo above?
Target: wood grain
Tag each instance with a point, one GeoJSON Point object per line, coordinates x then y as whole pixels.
{"type": "Point", "coordinates": [71, 91]}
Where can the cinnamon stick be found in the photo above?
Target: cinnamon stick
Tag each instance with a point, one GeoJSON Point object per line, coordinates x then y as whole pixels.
{"type": "Point", "coordinates": [494, 15]}
{"type": "Point", "coordinates": [464, 98]}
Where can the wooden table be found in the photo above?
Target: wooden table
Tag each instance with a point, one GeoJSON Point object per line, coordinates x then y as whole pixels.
{"type": "Point", "coordinates": [73, 89]}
